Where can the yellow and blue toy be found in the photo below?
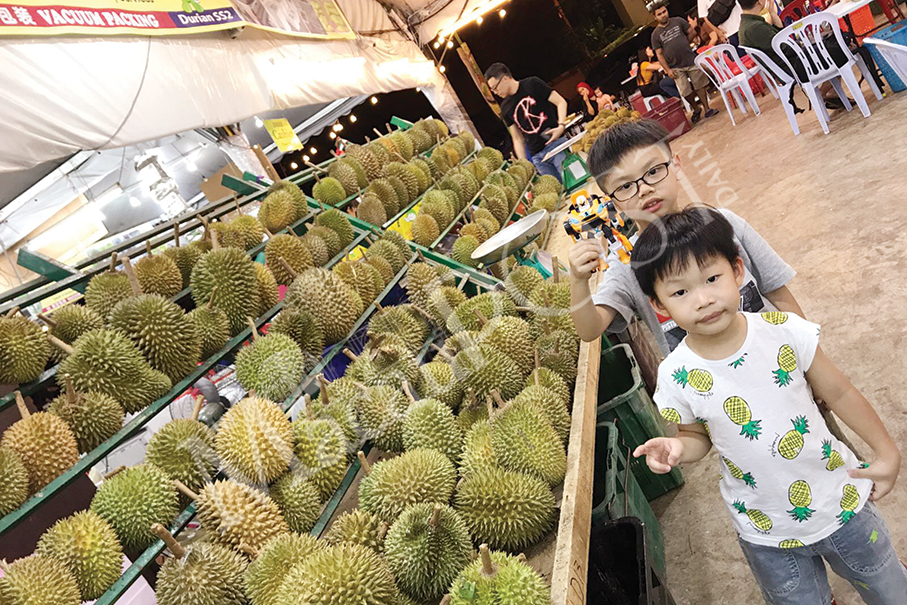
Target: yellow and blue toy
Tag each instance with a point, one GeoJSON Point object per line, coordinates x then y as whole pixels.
{"type": "Point", "coordinates": [593, 216]}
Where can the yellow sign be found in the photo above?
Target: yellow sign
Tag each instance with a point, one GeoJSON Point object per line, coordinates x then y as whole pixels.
{"type": "Point", "coordinates": [60, 299]}
{"type": "Point", "coordinates": [283, 134]}
{"type": "Point", "coordinates": [404, 225]}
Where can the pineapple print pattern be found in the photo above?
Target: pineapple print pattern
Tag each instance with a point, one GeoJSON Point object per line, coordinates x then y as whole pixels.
{"type": "Point", "coordinates": [776, 318]}
{"type": "Point", "coordinates": [705, 425]}
{"type": "Point", "coordinates": [739, 412]}
{"type": "Point", "coordinates": [790, 544]}
{"type": "Point", "coordinates": [671, 415]}
{"type": "Point", "coordinates": [736, 473]}
{"type": "Point", "coordinates": [759, 519]}
{"type": "Point", "coordinates": [801, 497]}
{"type": "Point", "coordinates": [833, 457]}
{"type": "Point", "coordinates": [849, 503]}
{"type": "Point", "coordinates": [698, 379]}
{"type": "Point", "coordinates": [792, 443]}
{"type": "Point", "coordinates": [737, 362]}
{"type": "Point", "coordinates": [787, 363]}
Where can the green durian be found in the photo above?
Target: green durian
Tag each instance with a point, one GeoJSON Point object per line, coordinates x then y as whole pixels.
{"type": "Point", "coordinates": [329, 236]}
{"type": "Point", "coordinates": [14, 479]}
{"type": "Point", "coordinates": [475, 230]}
{"type": "Point", "coordinates": [93, 417]}
{"type": "Point", "coordinates": [272, 366]}
{"type": "Point", "coordinates": [436, 380]}
{"type": "Point", "coordinates": [212, 326]}
{"type": "Point", "coordinates": [478, 450]}
{"type": "Point", "coordinates": [232, 272]}
{"type": "Point", "coordinates": [425, 230]}
{"type": "Point", "coordinates": [329, 191]}
{"type": "Point", "coordinates": [400, 171]}
{"type": "Point", "coordinates": [429, 423]}
{"type": "Point", "coordinates": [380, 152]}
{"type": "Point", "coordinates": [490, 304]}
{"type": "Point", "coordinates": [520, 283]}
{"type": "Point", "coordinates": [358, 527]}
{"type": "Point", "coordinates": [239, 515]}
{"type": "Point", "coordinates": [462, 250]}
{"type": "Point", "coordinates": [327, 297]}
{"type": "Point", "coordinates": [305, 330]}
{"type": "Point", "coordinates": [299, 200]}
{"type": "Point", "coordinates": [24, 350]}
{"type": "Point", "coordinates": [281, 554]}
{"type": "Point", "coordinates": [184, 449]}
{"type": "Point", "coordinates": [337, 221]}
{"type": "Point", "coordinates": [485, 369]}
{"type": "Point", "coordinates": [299, 501]}
{"type": "Point", "coordinates": [317, 248]}
{"type": "Point", "coordinates": [398, 320]}
{"type": "Point", "coordinates": [384, 268]}
{"type": "Point", "coordinates": [381, 413]}
{"type": "Point", "coordinates": [321, 449]}
{"type": "Point", "coordinates": [501, 579]}
{"type": "Point", "coordinates": [339, 400]}
{"type": "Point", "coordinates": [277, 211]}
{"type": "Point", "coordinates": [207, 574]}
{"type": "Point", "coordinates": [384, 191]}
{"type": "Point", "coordinates": [290, 248]}
{"type": "Point", "coordinates": [363, 278]}
{"type": "Point", "coordinates": [510, 336]}
{"type": "Point", "coordinates": [402, 192]}
{"type": "Point", "coordinates": [105, 291]}
{"type": "Point", "coordinates": [366, 159]}
{"type": "Point", "coordinates": [493, 155]}
{"type": "Point", "coordinates": [158, 274]}
{"type": "Point", "coordinates": [38, 580]}
{"type": "Point", "coordinates": [410, 478]}
{"type": "Point", "coordinates": [226, 236]}
{"type": "Point", "coordinates": [547, 184]}
{"type": "Point", "coordinates": [443, 301]}
{"type": "Point", "coordinates": [388, 252]}
{"type": "Point", "coordinates": [248, 229]}
{"type": "Point", "coordinates": [551, 380]}
{"type": "Point", "coordinates": [344, 172]}
{"type": "Point", "coordinates": [551, 405]}
{"type": "Point", "coordinates": [71, 321]}
{"type": "Point", "coordinates": [421, 280]}
{"type": "Point", "coordinates": [268, 294]}
{"type": "Point", "coordinates": [254, 441]}
{"type": "Point", "coordinates": [524, 441]}
{"type": "Point", "coordinates": [372, 210]}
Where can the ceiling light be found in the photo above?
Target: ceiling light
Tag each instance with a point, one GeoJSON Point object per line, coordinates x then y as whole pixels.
{"type": "Point", "coordinates": [134, 201]}
{"type": "Point", "coordinates": [352, 119]}
{"type": "Point", "coordinates": [258, 122]}
{"type": "Point", "coordinates": [479, 20]}
{"type": "Point", "coordinates": [338, 127]}
{"type": "Point", "coordinates": [502, 13]}
{"type": "Point", "coordinates": [442, 69]}
{"type": "Point", "coordinates": [312, 150]}
{"type": "Point", "coordinates": [436, 44]}
{"type": "Point", "coordinates": [294, 165]}
{"type": "Point", "coordinates": [306, 158]}
{"type": "Point", "coordinates": [450, 44]}
{"type": "Point", "coordinates": [333, 134]}
{"type": "Point", "coordinates": [374, 100]}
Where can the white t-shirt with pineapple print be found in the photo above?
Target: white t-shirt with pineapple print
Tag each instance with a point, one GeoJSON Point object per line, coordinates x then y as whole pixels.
{"type": "Point", "coordinates": [784, 476]}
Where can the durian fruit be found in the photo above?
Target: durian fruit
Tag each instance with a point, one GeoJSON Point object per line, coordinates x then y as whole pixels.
{"type": "Point", "coordinates": [436, 203]}
{"type": "Point", "coordinates": [305, 330]}
{"type": "Point", "coordinates": [238, 515]}
{"type": "Point", "coordinates": [546, 201]}
{"type": "Point", "coordinates": [402, 192]}
{"type": "Point", "coordinates": [478, 450]}
{"type": "Point", "coordinates": [14, 479]}
{"type": "Point", "coordinates": [388, 252]}
{"type": "Point", "coordinates": [510, 336]}
{"type": "Point", "coordinates": [421, 140]}
{"type": "Point", "coordinates": [69, 322]}
{"type": "Point", "coordinates": [134, 499]}
{"type": "Point", "coordinates": [271, 365]}
{"type": "Point", "coordinates": [421, 280]}
{"type": "Point", "coordinates": [281, 554]}
{"type": "Point", "coordinates": [501, 579]}
{"type": "Point", "coordinates": [485, 369]}
{"type": "Point", "coordinates": [411, 478]}
{"type": "Point", "coordinates": [520, 283]}
{"type": "Point", "coordinates": [184, 449]}
{"type": "Point", "coordinates": [327, 297]}
{"type": "Point", "coordinates": [372, 210]}
{"type": "Point", "coordinates": [24, 349]}
{"type": "Point", "coordinates": [330, 238]}
{"type": "Point", "coordinates": [160, 330]}
{"type": "Point", "coordinates": [107, 361]}
{"type": "Point", "coordinates": [493, 155]}
{"type": "Point", "coordinates": [292, 251]}
{"type": "Point", "coordinates": [44, 444]}
{"type": "Point", "coordinates": [475, 230]}
{"type": "Point", "coordinates": [462, 250]}
{"type": "Point", "coordinates": [429, 423]}
{"type": "Point", "coordinates": [403, 143]}
{"type": "Point", "coordinates": [558, 351]}
{"type": "Point", "coordinates": [384, 191]}
{"type": "Point", "coordinates": [329, 191]}
{"type": "Point", "coordinates": [443, 301]}
{"type": "Point", "coordinates": [381, 413]}
{"type": "Point", "coordinates": [87, 545]}
{"type": "Point", "coordinates": [299, 201]}
{"type": "Point", "coordinates": [363, 278]}
{"type": "Point", "coordinates": [105, 291]}
{"type": "Point", "coordinates": [93, 417]}
{"type": "Point", "coordinates": [317, 248]}
{"type": "Point", "coordinates": [483, 214]}
{"type": "Point", "coordinates": [436, 381]}
{"type": "Point", "coordinates": [277, 211]}
{"type": "Point", "coordinates": [506, 181]}
{"type": "Point", "coordinates": [505, 509]}
{"type": "Point", "coordinates": [519, 175]}
{"type": "Point", "coordinates": [459, 341]}
{"type": "Point", "coordinates": [249, 230]}
{"type": "Point", "coordinates": [426, 548]}
{"type": "Point", "coordinates": [358, 527]}
{"type": "Point", "coordinates": [380, 152]}
{"type": "Point", "coordinates": [524, 441]}
{"type": "Point", "coordinates": [551, 405]}
{"type": "Point", "coordinates": [254, 441]}
{"type": "Point", "coordinates": [387, 361]}
{"type": "Point", "coordinates": [232, 272]}
{"type": "Point", "coordinates": [384, 268]}
{"type": "Point", "coordinates": [425, 230]}
{"type": "Point", "coordinates": [339, 575]}
{"type": "Point", "coordinates": [226, 236]}
{"type": "Point", "coordinates": [299, 501]}
{"type": "Point", "coordinates": [38, 580]}
{"type": "Point", "coordinates": [496, 201]}
{"type": "Point", "coordinates": [547, 184]}
{"type": "Point", "coordinates": [550, 303]}
{"type": "Point", "coordinates": [473, 411]}
{"type": "Point", "coordinates": [345, 173]}
{"type": "Point", "coordinates": [401, 321]}
{"type": "Point", "coordinates": [268, 295]}
{"type": "Point", "coordinates": [366, 159]}
{"type": "Point", "coordinates": [211, 325]}
{"type": "Point", "coordinates": [489, 304]}
{"type": "Point", "coordinates": [321, 449]}
{"type": "Point", "coordinates": [158, 274]}
{"type": "Point", "coordinates": [339, 400]}
{"type": "Point", "coordinates": [202, 573]}
{"type": "Point", "coordinates": [552, 381]}
{"type": "Point", "coordinates": [400, 171]}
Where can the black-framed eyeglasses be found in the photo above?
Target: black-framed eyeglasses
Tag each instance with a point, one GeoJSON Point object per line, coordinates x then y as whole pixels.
{"type": "Point", "coordinates": [653, 175]}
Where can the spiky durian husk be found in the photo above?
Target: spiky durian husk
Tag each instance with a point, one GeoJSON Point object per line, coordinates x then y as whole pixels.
{"type": "Point", "coordinates": [255, 441]}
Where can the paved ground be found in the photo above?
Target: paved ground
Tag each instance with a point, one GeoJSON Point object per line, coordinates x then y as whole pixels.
{"type": "Point", "coordinates": [835, 207]}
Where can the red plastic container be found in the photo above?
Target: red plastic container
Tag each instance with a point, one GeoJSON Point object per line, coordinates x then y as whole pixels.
{"type": "Point", "coordinates": [670, 114]}
{"type": "Point", "coordinates": [637, 102]}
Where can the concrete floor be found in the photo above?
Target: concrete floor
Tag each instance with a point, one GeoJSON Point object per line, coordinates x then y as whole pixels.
{"type": "Point", "coordinates": [835, 207]}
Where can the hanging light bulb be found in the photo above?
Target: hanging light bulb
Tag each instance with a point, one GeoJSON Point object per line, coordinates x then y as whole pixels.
{"type": "Point", "coordinates": [502, 13]}
{"type": "Point", "coordinates": [353, 119]}
{"type": "Point", "coordinates": [294, 165]}
{"type": "Point", "coordinates": [306, 158]}
{"type": "Point", "coordinates": [479, 20]}
{"type": "Point", "coordinates": [450, 44]}
{"type": "Point", "coordinates": [441, 39]}
{"type": "Point", "coordinates": [436, 44]}
{"type": "Point", "coordinates": [258, 122]}
{"type": "Point", "coordinates": [442, 69]}
{"type": "Point", "coordinates": [312, 150]}
{"type": "Point", "coordinates": [332, 134]}
{"type": "Point", "coordinates": [374, 100]}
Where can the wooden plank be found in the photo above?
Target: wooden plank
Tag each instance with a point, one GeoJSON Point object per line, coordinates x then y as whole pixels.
{"type": "Point", "coordinates": [571, 559]}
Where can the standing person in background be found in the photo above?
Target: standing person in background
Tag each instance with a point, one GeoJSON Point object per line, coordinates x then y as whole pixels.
{"type": "Point", "coordinates": [671, 41]}
{"type": "Point", "coordinates": [722, 17]}
{"type": "Point", "coordinates": [535, 115]}
{"type": "Point", "coordinates": [586, 95]}
{"type": "Point", "coordinates": [651, 77]}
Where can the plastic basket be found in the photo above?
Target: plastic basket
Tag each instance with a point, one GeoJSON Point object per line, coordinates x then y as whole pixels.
{"type": "Point", "coordinates": [623, 399]}
{"type": "Point", "coordinates": [896, 34]}
{"type": "Point", "coordinates": [616, 493]}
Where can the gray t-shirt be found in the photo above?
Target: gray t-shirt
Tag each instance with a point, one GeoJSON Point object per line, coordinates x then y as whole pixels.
{"type": "Point", "coordinates": [673, 42]}
{"type": "Point", "coordinates": [765, 271]}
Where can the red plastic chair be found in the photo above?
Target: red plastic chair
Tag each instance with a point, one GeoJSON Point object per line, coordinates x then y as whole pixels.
{"type": "Point", "coordinates": [794, 12]}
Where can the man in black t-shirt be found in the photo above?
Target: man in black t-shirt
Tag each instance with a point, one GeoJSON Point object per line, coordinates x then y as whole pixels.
{"type": "Point", "coordinates": [534, 114]}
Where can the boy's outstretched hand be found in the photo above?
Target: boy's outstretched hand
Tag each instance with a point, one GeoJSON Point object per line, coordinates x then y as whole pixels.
{"type": "Point", "coordinates": [584, 256]}
{"type": "Point", "coordinates": [662, 453]}
{"type": "Point", "coordinates": [883, 474]}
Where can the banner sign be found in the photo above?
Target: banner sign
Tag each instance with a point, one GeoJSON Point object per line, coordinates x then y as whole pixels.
{"type": "Point", "coordinates": [306, 18]}
{"type": "Point", "coordinates": [477, 76]}
{"type": "Point", "coordinates": [283, 134]}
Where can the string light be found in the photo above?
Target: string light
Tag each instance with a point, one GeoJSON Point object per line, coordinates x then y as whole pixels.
{"type": "Point", "coordinates": [479, 20]}
{"type": "Point", "coordinates": [306, 158]}
{"type": "Point", "coordinates": [312, 150]}
{"type": "Point", "coordinates": [294, 165]}
{"type": "Point", "coordinates": [450, 44]}
{"type": "Point", "coordinates": [258, 122]}
{"type": "Point", "coordinates": [353, 119]}
{"type": "Point", "coordinates": [333, 134]}
{"type": "Point", "coordinates": [436, 44]}
{"type": "Point", "coordinates": [374, 100]}
{"type": "Point", "coordinates": [442, 69]}
{"type": "Point", "coordinates": [502, 13]}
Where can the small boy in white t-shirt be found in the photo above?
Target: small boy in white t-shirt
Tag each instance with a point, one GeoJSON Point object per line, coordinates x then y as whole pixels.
{"type": "Point", "coordinates": [744, 382]}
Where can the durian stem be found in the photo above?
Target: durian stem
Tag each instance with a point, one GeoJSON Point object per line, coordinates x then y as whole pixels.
{"type": "Point", "coordinates": [442, 352]}
{"type": "Point", "coordinates": [489, 408]}
{"type": "Point", "coordinates": [435, 516]}
{"type": "Point", "coordinates": [378, 306]}
{"type": "Point", "coordinates": [521, 557]}
{"type": "Point", "coordinates": [133, 280]}
{"type": "Point", "coordinates": [268, 233]}
{"type": "Point", "coordinates": [60, 344]}
{"type": "Point", "coordinates": [317, 169]}
{"type": "Point", "coordinates": [185, 490]}
{"type": "Point", "coordinates": [307, 399]}
{"type": "Point", "coordinates": [323, 390]}
{"type": "Point", "coordinates": [487, 565]}
{"type": "Point", "coordinates": [113, 262]}
{"type": "Point", "coordinates": [251, 323]}
{"type": "Point", "coordinates": [476, 196]}
{"type": "Point", "coordinates": [546, 297]}
{"type": "Point", "coordinates": [421, 256]}
{"type": "Point", "coordinates": [236, 203]}
{"type": "Point", "coordinates": [114, 472]}
{"type": "Point", "coordinates": [525, 309]}
{"type": "Point", "coordinates": [497, 397]}
{"type": "Point", "coordinates": [197, 408]}
{"type": "Point", "coordinates": [176, 234]}
{"type": "Point", "coordinates": [350, 354]}
{"type": "Point", "coordinates": [407, 391]}
{"type": "Point", "coordinates": [211, 298]}
{"type": "Point", "coordinates": [423, 313]}
{"type": "Point", "coordinates": [148, 247]}
{"type": "Point", "coordinates": [482, 319]}
{"type": "Point", "coordinates": [445, 600]}
{"type": "Point", "coordinates": [368, 238]}
{"type": "Point", "coordinates": [556, 270]}
{"type": "Point", "coordinates": [249, 550]}
{"type": "Point", "coordinates": [71, 396]}
{"type": "Point", "coordinates": [473, 402]}
{"type": "Point", "coordinates": [12, 312]}
{"type": "Point", "coordinates": [382, 531]}
{"type": "Point", "coordinates": [390, 129]}
{"type": "Point", "coordinates": [50, 322]}
{"type": "Point", "coordinates": [363, 462]}
{"type": "Point", "coordinates": [546, 328]}
{"type": "Point", "coordinates": [537, 364]}
{"type": "Point", "coordinates": [215, 245]}
{"type": "Point", "coordinates": [20, 403]}
{"type": "Point", "coordinates": [286, 267]}
{"type": "Point", "coordinates": [536, 373]}
{"type": "Point", "coordinates": [471, 213]}
{"type": "Point", "coordinates": [161, 532]}
{"type": "Point", "coordinates": [377, 132]}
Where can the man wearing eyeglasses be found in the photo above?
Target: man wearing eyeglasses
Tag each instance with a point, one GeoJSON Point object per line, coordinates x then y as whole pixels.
{"type": "Point", "coordinates": [535, 115]}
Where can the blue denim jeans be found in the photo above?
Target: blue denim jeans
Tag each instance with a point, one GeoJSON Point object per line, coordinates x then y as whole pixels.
{"type": "Point", "coordinates": [860, 552]}
{"type": "Point", "coordinates": [552, 166]}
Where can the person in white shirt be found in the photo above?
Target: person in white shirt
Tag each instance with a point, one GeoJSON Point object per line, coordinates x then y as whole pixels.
{"type": "Point", "coordinates": [723, 16]}
{"type": "Point", "coordinates": [744, 382]}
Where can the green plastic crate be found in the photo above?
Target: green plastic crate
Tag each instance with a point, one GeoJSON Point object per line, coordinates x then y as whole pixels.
{"type": "Point", "coordinates": [623, 399]}
{"type": "Point", "coordinates": [616, 493]}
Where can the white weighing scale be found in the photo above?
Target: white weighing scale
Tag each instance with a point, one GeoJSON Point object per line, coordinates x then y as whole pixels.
{"type": "Point", "coordinates": [511, 241]}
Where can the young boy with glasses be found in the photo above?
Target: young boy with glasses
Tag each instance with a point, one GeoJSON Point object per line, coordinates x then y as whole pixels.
{"type": "Point", "coordinates": [633, 163]}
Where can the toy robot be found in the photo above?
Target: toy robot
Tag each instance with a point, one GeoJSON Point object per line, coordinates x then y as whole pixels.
{"type": "Point", "coordinates": [591, 217]}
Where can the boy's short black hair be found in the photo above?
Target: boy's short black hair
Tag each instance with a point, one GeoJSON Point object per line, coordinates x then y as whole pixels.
{"type": "Point", "coordinates": [747, 4]}
{"type": "Point", "coordinates": [619, 140]}
{"type": "Point", "coordinates": [497, 71]}
{"type": "Point", "coordinates": [664, 248]}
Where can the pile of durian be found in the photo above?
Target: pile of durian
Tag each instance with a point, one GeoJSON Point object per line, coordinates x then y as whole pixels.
{"type": "Point", "coordinates": [474, 441]}
{"type": "Point", "coordinates": [605, 119]}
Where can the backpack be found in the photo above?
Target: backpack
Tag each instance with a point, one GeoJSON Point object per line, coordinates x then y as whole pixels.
{"type": "Point", "coordinates": [720, 11]}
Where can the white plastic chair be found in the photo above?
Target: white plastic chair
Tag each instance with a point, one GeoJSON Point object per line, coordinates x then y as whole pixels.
{"type": "Point", "coordinates": [894, 54]}
{"type": "Point", "coordinates": [712, 62]}
{"type": "Point", "coordinates": [778, 81]}
{"type": "Point", "coordinates": [649, 101]}
{"type": "Point", "coordinates": [804, 39]}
